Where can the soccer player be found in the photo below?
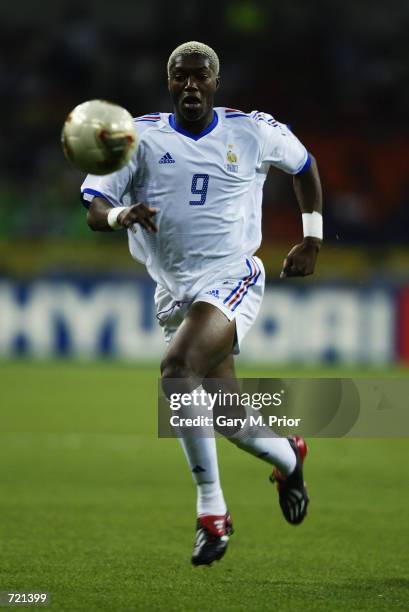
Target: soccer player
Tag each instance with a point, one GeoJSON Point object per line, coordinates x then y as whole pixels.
{"type": "Point", "coordinates": [190, 199]}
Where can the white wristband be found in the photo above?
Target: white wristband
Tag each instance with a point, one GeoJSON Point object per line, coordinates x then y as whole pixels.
{"type": "Point", "coordinates": [113, 216]}
{"type": "Point", "coordinates": [312, 224]}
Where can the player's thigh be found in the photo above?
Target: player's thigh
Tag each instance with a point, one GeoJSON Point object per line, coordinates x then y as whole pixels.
{"type": "Point", "coordinates": [224, 372]}
{"type": "Point", "coordinates": [203, 341]}
{"type": "Point", "coordinates": [222, 378]}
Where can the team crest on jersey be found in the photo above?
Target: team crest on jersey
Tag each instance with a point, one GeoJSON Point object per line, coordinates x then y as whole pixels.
{"type": "Point", "coordinates": [232, 165]}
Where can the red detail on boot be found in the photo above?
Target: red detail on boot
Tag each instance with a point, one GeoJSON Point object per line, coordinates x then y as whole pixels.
{"type": "Point", "coordinates": [214, 524]}
{"type": "Point", "coordinates": [301, 445]}
{"type": "Point", "coordinates": [302, 449]}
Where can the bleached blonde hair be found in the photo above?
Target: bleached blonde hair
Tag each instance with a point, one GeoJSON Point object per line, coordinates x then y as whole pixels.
{"type": "Point", "coordinates": [189, 48]}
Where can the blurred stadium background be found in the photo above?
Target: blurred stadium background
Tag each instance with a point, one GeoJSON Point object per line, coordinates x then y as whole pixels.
{"type": "Point", "coordinates": [88, 510]}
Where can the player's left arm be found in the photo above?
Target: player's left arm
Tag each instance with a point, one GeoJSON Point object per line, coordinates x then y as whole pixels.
{"type": "Point", "coordinates": [301, 260]}
{"type": "Point", "coordinates": [279, 147]}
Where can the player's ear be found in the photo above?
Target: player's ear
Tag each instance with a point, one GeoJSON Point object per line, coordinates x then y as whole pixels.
{"type": "Point", "coordinates": [217, 82]}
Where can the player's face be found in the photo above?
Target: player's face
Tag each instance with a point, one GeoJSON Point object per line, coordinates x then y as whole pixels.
{"type": "Point", "coordinates": [192, 86]}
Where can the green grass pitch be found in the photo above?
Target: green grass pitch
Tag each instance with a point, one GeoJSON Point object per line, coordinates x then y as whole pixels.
{"type": "Point", "coordinates": [99, 512]}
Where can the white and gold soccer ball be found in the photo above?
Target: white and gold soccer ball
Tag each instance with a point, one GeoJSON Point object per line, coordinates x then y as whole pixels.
{"type": "Point", "coordinates": [98, 137]}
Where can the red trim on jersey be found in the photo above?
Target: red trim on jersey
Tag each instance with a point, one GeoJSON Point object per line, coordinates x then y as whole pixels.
{"type": "Point", "coordinates": [403, 325]}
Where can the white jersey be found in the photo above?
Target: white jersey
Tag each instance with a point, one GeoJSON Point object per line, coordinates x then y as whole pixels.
{"type": "Point", "coordinates": [207, 189]}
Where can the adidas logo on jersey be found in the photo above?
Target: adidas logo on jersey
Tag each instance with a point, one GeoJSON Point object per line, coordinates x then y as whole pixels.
{"type": "Point", "coordinates": [167, 159]}
{"type": "Point", "coordinates": [214, 293]}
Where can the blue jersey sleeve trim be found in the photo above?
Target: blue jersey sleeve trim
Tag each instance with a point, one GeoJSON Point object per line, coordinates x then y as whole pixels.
{"type": "Point", "coordinates": [306, 165]}
{"type": "Point", "coordinates": [93, 192]}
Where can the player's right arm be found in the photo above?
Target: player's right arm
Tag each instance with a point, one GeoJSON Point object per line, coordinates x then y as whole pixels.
{"type": "Point", "coordinates": [108, 198]}
{"type": "Point", "coordinates": [99, 209]}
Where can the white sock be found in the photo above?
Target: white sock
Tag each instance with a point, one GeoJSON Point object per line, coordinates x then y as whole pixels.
{"type": "Point", "coordinates": [276, 451]}
{"type": "Point", "coordinates": [199, 446]}
{"type": "Point", "coordinates": [210, 499]}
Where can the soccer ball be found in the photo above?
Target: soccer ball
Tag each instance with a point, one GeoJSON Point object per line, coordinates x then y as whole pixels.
{"type": "Point", "coordinates": [98, 137]}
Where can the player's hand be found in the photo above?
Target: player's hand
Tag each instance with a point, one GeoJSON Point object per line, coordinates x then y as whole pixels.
{"type": "Point", "coordinates": [138, 213]}
{"type": "Point", "coordinates": [300, 261]}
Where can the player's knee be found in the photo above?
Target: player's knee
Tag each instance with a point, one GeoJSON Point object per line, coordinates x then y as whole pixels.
{"type": "Point", "coordinates": [174, 367]}
{"type": "Point", "coordinates": [177, 371]}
